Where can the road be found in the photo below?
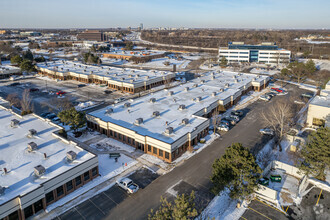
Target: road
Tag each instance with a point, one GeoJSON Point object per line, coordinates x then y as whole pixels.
{"type": "Point", "coordinates": [194, 174]}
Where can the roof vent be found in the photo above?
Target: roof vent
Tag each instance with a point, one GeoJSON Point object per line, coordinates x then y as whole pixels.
{"type": "Point", "coordinates": [227, 85]}
{"type": "Point", "coordinates": [234, 76]}
{"type": "Point", "coordinates": [186, 89]}
{"type": "Point", "coordinates": [195, 85]}
{"type": "Point", "coordinates": [32, 146]}
{"type": "Point", "coordinates": [131, 80]}
{"type": "Point", "coordinates": [127, 105]}
{"type": "Point", "coordinates": [146, 77]}
{"type": "Point", "coordinates": [182, 107]}
{"type": "Point", "coordinates": [255, 79]}
{"type": "Point", "coordinates": [84, 71]}
{"type": "Point", "coordinates": [137, 75]}
{"type": "Point", "coordinates": [212, 74]}
{"type": "Point", "coordinates": [198, 99]}
{"type": "Point", "coordinates": [39, 170]}
{"type": "Point", "coordinates": [122, 79]}
{"type": "Point", "coordinates": [169, 130]}
{"type": "Point", "coordinates": [236, 80]}
{"type": "Point", "coordinates": [14, 123]}
{"type": "Point", "coordinates": [214, 94]}
{"type": "Point", "coordinates": [32, 132]}
{"type": "Point", "coordinates": [138, 121]}
{"type": "Point", "coordinates": [170, 93]}
{"type": "Point", "coordinates": [71, 155]}
{"type": "Point", "coordinates": [109, 68]}
{"type": "Point", "coordinates": [109, 111]}
{"type": "Point", "coordinates": [115, 74]}
{"type": "Point", "coordinates": [155, 113]}
{"type": "Point", "coordinates": [221, 90]}
{"type": "Point", "coordinates": [213, 77]}
{"type": "Point", "coordinates": [202, 81]}
{"type": "Point", "coordinates": [185, 121]}
{"type": "Point", "coordinates": [152, 100]}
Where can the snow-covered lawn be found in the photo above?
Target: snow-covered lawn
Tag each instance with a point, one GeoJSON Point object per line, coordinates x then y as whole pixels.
{"type": "Point", "coordinates": [86, 135]}
{"type": "Point", "coordinates": [108, 169]}
{"type": "Point", "coordinates": [224, 208]}
{"type": "Point", "coordinates": [264, 71]}
{"type": "Point", "coordinates": [320, 64]}
{"type": "Point", "coordinates": [109, 144]}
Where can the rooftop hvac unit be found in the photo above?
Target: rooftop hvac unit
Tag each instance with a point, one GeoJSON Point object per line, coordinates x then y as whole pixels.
{"type": "Point", "coordinates": [214, 94]}
{"type": "Point", "coordinates": [109, 111]}
{"type": "Point", "coordinates": [146, 77]}
{"type": "Point", "coordinates": [182, 107]}
{"type": "Point", "coordinates": [71, 155]}
{"type": "Point", "coordinates": [155, 113]}
{"type": "Point", "coordinates": [212, 74]}
{"type": "Point", "coordinates": [236, 80]}
{"type": "Point", "coordinates": [39, 170]}
{"type": "Point", "coordinates": [198, 99]}
{"type": "Point", "coordinates": [109, 68]}
{"type": "Point", "coordinates": [130, 75]}
{"type": "Point", "coordinates": [32, 132]}
{"type": "Point", "coordinates": [84, 71]}
{"type": "Point", "coordinates": [2, 190]}
{"type": "Point", "coordinates": [152, 100]}
{"type": "Point", "coordinates": [32, 146]}
{"type": "Point", "coordinates": [221, 90]}
{"type": "Point", "coordinates": [255, 79]}
{"type": "Point", "coordinates": [234, 77]}
{"type": "Point", "coordinates": [101, 67]}
{"type": "Point", "coordinates": [14, 123]}
{"type": "Point", "coordinates": [186, 89]}
{"type": "Point", "coordinates": [91, 72]}
{"type": "Point", "coordinates": [227, 85]}
{"type": "Point", "coordinates": [195, 85]}
{"type": "Point", "coordinates": [127, 105]}
{"type": "Point", "coordinates": [170, 93]}
{"type": "Point", "coordinates": [218, 71]}
{"type": "Point", "coordinates": [213, 77]}
{"type": "Point", "coordinates": [203, 81]}
{"type": "Point", "coordinates": [138, 121]}
{"type": "Point", "coordinates": [115, 74]}
{"type": "Point", "coordinates": [131, 80]}
{"type": "Point", "coordinates": [185, 121]}
{"type": "Point", "coordinates": [169, 130]}
{"type": "Point", "coordinates": [137, 75]}
{"type": "Point", "coordinates": [122, 79]}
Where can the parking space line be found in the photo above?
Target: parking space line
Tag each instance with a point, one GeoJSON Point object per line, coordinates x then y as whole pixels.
{"type": "Point", "coordinates": [79, 212]}
{"type": "Point", "coordinates": [109, 198]}
{"type": "Point", "coordinates": [243, 218]}
{"type": "Point", "coordinates": [259, 213]}
{"type": "Point", "coordinates": [287, 209]}
{"type": "Point", "coordinates": [270, 206]}
{"type": "Point", "coordinates": [96, 206]}
{"type": "Point", "coordinates": [319, 198]}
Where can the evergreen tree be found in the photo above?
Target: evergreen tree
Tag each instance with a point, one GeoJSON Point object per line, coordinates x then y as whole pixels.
{"type": "Point", "coordinates": [16, 59]}
{"type": "Point", "coordinates": [27, 66]}
{"type": "Point", "coordinates": [310, 66]}
{"type": "Point", "coordinates": [237, 170]}
{"type": "Point", "coordinates": [73, 118]}
{"type": "Point", "coordinates": [182, 209]}
{"type": "Point", "coordinates": [316, 154]}
{"type": "Point", "coordinates": [28, 55]}
{"type": "Point", "coordinates": [129, 45]}
{"type": "Point", "coordinates": [223, 62]}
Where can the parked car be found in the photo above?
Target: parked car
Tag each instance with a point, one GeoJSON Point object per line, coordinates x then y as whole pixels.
{"type": "Point", "coordinates": [56, 119]}
{"type": "Point", "coordinates": [51, 116]}
{"type": "Point", "coordinates": [264, 97]}
{"type": "Point", "coordinates": [267, 131]}
{"type": "Point", "coordinates": [307, 95]}
{"type": "Point", "coordinates": [14, 84]}
{"type": "Point", "coordinates": [278, 90]}
{"type": "Point", "coordinates": [264, 181]}
{"type": "Point", "coordinates": [81, 85]}
{"type": "Point", "coordinates": [33, 89]}
{"type": "Point", "coordinates": [45, 114]}
{"type": "Point", "coordinates": [128, 185]}
{"type": "Point", "coordinates": [237, 113]}
{"type": "Point", "coordinates": [225, 122]}
{"type": "Point", "coordinates": [271, 94]}
{"type": "Point", "coordinates": [223, 127]}
{"type": "Point", "coordinates": [107, 91]}
{"type": "Point", "coordinates": [60, 93]}
{"type": "Point", "coordinates": [234, 117]}
{"type": "Point", "coordinates": [231, 120]}
{"type": "Point", "coordinates": [276, 178]}
{"type": "Point", "coordinates": [120, 100]}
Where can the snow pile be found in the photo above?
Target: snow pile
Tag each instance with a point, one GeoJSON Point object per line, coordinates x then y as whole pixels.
{"type": "Point", "coordinates": [155, 160]}
{"type": "Point", "coordinates": [264, 71]}
{"type": "Point", "coordinates": [224, 208]}
{"type": "Point", "coordinates": [108, 168]}
{"type": "Point", "coordinates": [85, 105]}
{"type": "Point", "coordinates": [109, 144]}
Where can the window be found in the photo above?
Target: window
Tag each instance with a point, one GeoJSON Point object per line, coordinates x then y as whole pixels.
{"type": "Point", "coordinates": [167, 155]}
{"type": "Point", "coordinates": [28, 211]}
{"type": "Point", "coordinates": [119, 136]}
{"type": "Point", "coordinates": [111, 134]}
{"type": "Point", "coordinates": [133, 142]}
{"type": "Point", "coordinates": [115, 134]}
{"type": "Point", "coordinates": [129, 140]}
{"type": "Point", "coordinates": [69, 186]}
{"type": "Point", "coordinates": [154, 150]}
{"type": "Point", "coordinates": [49, 197]}
{"type": "Point", "coordinates": [13, 216]}
{"type": "Point", "coordinates": [86, 176]}
{"type": "Point", "coordinates": [318, 122]}
{"type": "Point", "coordinates": [94, 171]}
{"type": "Point", "coordinates": [38, 206]}
{"type": "Point", "coordinates": [160, 152]}
{"type": "Point", "coordinates": [78, 180]}
{"type": "Point", "coordinates": [60, 191]}
{"type": "Point", "coordinates": [149, 148]}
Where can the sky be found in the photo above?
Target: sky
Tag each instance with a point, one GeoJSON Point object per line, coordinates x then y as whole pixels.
{"type": "Point", "coordinates": [276, 14]}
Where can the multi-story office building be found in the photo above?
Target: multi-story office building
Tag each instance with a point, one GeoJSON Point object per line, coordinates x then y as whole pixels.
{"type": "Point", "coordinates": [92, 35]}
{"type": "Point", "coordinates": [264, 53]}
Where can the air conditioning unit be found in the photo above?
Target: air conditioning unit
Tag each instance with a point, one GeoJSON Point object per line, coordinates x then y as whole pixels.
{"type": "Point", "coordinates": [14, 123]}
{"type": "Point", "coordinates": [213, 77]}
{"type": "Point", "coordinates": [186, 89]}
{"type": "Point", "coordinates": [202, 81]}
{"type": "Point", "coordinates": [214, 94]}
{"type": "Point", "coordinates": [182, 107]}
{"type": "Point", "coordinates": [2, 190]}
{"type": "Point", "coordinates": [155, 113]}
{"type": "Point", "coordinates": [138, 121]}
{"type": "Point", "coordinates": [71, 155]}
{"type": "Point", "coordinates": [127, 105]}
{"type": "Point", "coordinates": [169, 130]}
{"type": "Point", "coordinates": [152, 100]}
{"type": "Point", "coordinates": [109, 111]}
{"type": "Point", "coordinates": [39, 170]}
{"type": "Point", "coordinates": [185, 121]}
{"type": "Point", "coordinates": [32, 146]}
{"type": "Point", "coordinates": [170, 93]}
{"type": "Point", "coordinates": [227, 85]}
{"type": "Point", "coordinates": [221, 90]}
{"type": "Point", "coordinates": [198, 99]}
{"type": "Point", "coordinates": [236, 80]}
{"type": "Point", "coordinates": [195, 85]}
{"type": "Point", "coordinates": [32, 132]}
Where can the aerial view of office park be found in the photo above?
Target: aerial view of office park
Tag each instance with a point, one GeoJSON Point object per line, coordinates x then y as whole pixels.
{"type": "Point", "coordinates": [164, 110]}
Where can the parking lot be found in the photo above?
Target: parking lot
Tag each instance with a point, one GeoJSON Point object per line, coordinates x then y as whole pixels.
{"type": "Point", "coordinates": [100, 205]}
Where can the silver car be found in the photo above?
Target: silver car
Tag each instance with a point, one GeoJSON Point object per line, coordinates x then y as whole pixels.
{"type": "Point", "coordinates": [128, 185]}
{"type": "Point", "coordinates": [267, 131]}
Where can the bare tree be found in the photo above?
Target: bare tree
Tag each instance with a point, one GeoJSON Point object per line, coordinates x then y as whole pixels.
{"type": "Point", "coordinates": [61, 104]}
{"type": "Point", "coordinates": [13, 100]}
{"type": "Point", "coordinates": [279, 117]}
{"type": "Point", "coordinates": [215, 119]}
{"type": "Point", "coordinates": [26, 102]}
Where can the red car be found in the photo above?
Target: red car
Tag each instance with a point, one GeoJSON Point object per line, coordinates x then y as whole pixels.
{"type": "Point", "coordinates": [60, 93]}
{"type": "Point", "coordinates": [278, 90]}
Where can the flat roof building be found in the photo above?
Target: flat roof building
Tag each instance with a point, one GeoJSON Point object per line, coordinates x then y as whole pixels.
{"type": "Point", "coordinates": [92, 35]}
{"type": "Point", "coordinates": [169, 122]}
{"type": "Point", "coordinates": [135, 56]}
{"type": "Point", "coordinates": [37, 166]}
{"type": "Point", "coordinates": [7, 71]}
{"type": "Point", "coordinates": [123, 79]}
{"type": "Point", "coordinates": [262, 53]}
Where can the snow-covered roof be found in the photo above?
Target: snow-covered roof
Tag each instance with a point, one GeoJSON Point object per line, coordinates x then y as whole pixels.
{"type": "Point", "coordinates": [20, 163]}
{"type": "Point", "coordinates": [202, 95]}
{"type": "Point", "coordinates": [321, 100]}
{"type": "Point", "coordinates": [6, 69]}
{"type": "Point", "coordinates": [136, 53]}
{"type": "Point", "coordinates": [126, 75]}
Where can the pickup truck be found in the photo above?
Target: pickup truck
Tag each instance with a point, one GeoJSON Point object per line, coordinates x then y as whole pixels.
{"type": "Point", "coordinates": [128, 185]}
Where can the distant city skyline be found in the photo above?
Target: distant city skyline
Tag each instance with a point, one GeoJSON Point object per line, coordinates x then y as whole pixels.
{"type": "Point", "coordinates": [280, 14]}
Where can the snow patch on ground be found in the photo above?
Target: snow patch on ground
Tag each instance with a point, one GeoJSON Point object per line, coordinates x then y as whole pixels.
{"type": "Point", "coordinates": [109, 144]}
{"type": "Point", "coordinates": [264, 71]}
{"type": "Point", "coordinates": [85, 105]}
